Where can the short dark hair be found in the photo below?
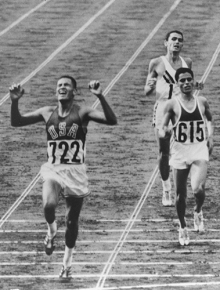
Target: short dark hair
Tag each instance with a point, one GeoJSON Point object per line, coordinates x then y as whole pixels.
{"type": "Point", "coordinates": [72, 80]}
{"type": "Point", "coordinates": [183, 70]}
{"type": "Point", "coordinates": [173, 31]}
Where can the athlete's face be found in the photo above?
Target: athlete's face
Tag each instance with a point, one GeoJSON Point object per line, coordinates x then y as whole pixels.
{"type": "Point", "coordinates": [65, 90]}
{"type": "Point", "coordinates": [174, 42]}
{"type": "Point", "coordinates": [185, 83]}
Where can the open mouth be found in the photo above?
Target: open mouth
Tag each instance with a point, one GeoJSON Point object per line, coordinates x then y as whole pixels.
{"type": "Point", "coordinates": [62, 91]}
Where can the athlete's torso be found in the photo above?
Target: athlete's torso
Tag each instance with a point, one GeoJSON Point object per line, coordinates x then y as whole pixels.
{"type": "Point", "coordinates": [166, 86]}
{"type": "Point", "coordinates": [66, 138]}
{"type": "Point", "coordinates": [190, 125]}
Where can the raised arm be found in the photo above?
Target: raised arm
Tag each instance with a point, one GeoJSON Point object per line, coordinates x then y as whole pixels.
{"type": "Point", "coordinates": [107, 116]}
{"type": "Point", "coordinates": [151, 78]}
{"type": "Point", "coordinates": [18, 120]}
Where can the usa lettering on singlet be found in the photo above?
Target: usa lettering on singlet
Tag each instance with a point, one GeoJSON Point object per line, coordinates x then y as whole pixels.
{"type": "Point", "coordinates": [66, 138]}
{"type": "Point", "coordinates": [190, 126]}
{"type": "Point", "coordinates": [166, 86]}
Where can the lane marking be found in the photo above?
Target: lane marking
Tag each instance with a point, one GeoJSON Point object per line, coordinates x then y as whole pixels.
{"type": "Point", "coordinates": [23, 17]}
{"type": "Point", "coordinates": [174, 230]}
{"type": "Point", "coordinates": [156, 276]}
{"type": "Point", "coordinates": [20, 199]}
{"type": "Point", "coordinates": [95, 252]}
{"type": "Point", "coordinates": [161, 286]}
{"type": "Point", "coordinates": [116, 241]}
{"type": "Point", "coordinates": [61, 47]}
{"type": "Point", "coordinates": [101, 263]}
{"type": "Point", "coordinates": [158, 220]}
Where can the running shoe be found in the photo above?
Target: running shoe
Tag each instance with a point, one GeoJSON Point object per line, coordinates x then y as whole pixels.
{"type": "Point", "coordinates": [166, 198]}
{"type": "Point", "coordinates": [183, 237]}
{"type": "Point", "coordinates": [66, 272]}
{"type": "Point", "coordinates": [198, 221]}
{"type": "Point", "coordinates": [49, 244]}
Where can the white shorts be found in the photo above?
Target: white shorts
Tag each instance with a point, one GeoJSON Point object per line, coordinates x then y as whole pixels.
{"type": "Point", "coordinates": [158, 113]}
{"type": "Point", "coordinates": [72, 178]}
{"type": "Point", "coordinates": [182, 156]}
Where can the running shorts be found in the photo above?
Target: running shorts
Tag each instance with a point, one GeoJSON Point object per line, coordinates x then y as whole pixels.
{"type": "Point", "coordinates": [182, 156]}
{"type": "Point", "coordinates": [72, 178]}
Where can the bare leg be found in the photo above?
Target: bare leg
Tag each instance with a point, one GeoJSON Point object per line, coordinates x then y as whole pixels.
{"type": "Point", "coordinates": [73, 206]}
{"type": "Point", "coordinates": [51, 190]}
{"type": "Point", "coordinates": [180, 180]}
{"type": "Point", "coordinates": [198, 178]}
{"type": "Point", "coordinates": [50, 196]}
{"type": "Point", "coordinates": [163, 160]}
{"type": "Point", "coordinates": [164, 154]}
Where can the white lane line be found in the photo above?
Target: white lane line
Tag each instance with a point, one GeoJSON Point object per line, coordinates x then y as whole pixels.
{"type": "Point", "coordinates": [19, 200]}
{"type": "Point", "coordinates": [23, 17]}
{"type": "Point", "coordinates": [118, 264]}
{"type": "Point", "coordinates": [158, 220]}
{"type": "Point", "coordinates": [60, 48]}
{"type": "Point", "coordinates": [116, 241]}
{"type": "Point", "coordinates": [94, 252]}
{"type": "Point", "coordinates": [152, 276]}
{"type": "Point", "coordinates": [108, 231]}
{"type": "Point", "coordinates": [168, 286]}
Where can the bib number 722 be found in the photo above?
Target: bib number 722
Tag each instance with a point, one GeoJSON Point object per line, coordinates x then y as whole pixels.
{"type": "Point", "coordinates": [65, 152]}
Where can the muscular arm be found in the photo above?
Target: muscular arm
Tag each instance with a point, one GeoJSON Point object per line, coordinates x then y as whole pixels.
{"type": "Point", "coordinates": [167, 117]}
{"type": "Point", "coordinates": [209, 123]}
{"type": "Point", "coordinates": [18, 120]}
{"type": "Point", "coordinates": [106, 117]}
{"type": "Point", "coordinates": [151, 77]}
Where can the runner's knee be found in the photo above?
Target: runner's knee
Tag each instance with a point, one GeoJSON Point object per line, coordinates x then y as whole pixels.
{"type": "Point", "coordinates": [199, 191]}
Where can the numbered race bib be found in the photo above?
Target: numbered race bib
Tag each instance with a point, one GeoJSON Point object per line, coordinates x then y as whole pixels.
{"type": "Point", "coordinates": [65, 151]}
{"type": "Point", "coordinates": [190, 132]}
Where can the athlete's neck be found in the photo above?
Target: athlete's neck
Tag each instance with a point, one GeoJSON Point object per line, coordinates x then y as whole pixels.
{"type": "Point", "coordinates": [64, 107]}
{"type": "Point", "coordinates": [173, 57]}
{"type": "Point", "coordinates": [187, 97]}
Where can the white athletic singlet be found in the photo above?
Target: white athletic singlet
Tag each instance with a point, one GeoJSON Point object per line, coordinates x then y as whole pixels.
{"type": "Point", "coordinates": [166, 86]}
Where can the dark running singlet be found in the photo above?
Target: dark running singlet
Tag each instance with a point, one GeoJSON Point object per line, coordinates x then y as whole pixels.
{"type": "Point", "coordinates": [190, 126]}
{"type": "Point", "coordinates": [65, 138]}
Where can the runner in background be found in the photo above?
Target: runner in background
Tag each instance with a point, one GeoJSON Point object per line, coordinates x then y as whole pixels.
{"type": "Point", "coordinates": [161, 81]}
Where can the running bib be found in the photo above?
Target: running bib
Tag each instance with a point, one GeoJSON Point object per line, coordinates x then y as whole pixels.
{"type": "Point", "coordinates": [190, 132]}
{"type": "Point", "coordinates": [65, 151]}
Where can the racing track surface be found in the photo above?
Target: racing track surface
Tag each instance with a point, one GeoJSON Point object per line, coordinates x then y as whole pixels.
{"type": "Point", "coordinates": [127, 240]}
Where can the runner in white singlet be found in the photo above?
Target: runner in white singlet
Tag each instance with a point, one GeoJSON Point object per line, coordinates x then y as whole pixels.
{"type": "Point", "coordinates": [192, 121]}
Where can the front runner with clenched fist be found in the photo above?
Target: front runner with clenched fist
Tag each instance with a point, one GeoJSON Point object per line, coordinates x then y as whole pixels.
{"type": "Point", "coordinates": [65, 170]}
